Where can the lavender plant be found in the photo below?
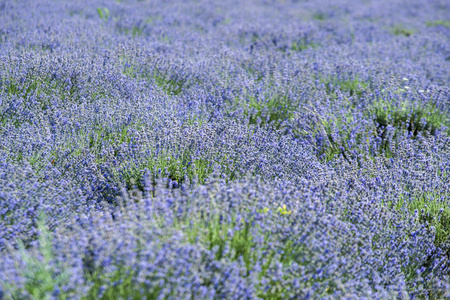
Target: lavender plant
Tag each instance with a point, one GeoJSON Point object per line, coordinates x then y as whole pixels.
{"type": "Point", "coordinates": [224, 150]}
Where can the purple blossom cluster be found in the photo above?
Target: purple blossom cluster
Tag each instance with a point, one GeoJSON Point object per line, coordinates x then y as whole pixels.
{"type": "Point", "coordinates": [224, 149]}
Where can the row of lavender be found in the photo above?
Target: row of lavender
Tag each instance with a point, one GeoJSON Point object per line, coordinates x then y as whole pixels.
{"type": "Point", "coordinates": [224, 150]}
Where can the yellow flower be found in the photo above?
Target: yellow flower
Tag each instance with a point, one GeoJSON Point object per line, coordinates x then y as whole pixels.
{"type": "Point", "coordinates": [284, 211]}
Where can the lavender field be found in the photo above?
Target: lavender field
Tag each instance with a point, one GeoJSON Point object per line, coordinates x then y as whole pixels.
{"type": "Point", "coordinates": [252, 149]}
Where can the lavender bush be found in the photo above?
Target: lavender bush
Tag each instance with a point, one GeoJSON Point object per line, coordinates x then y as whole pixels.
{"type": "Point", "coordinates": [224, 149]}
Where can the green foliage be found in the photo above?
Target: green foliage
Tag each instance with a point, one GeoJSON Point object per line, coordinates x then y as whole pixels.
{"type": "Point", "coordinates": [66, 156]}
{"type": "Point", "coordinates": [404, 117]}
{"type": "Point", "coordinates": [42, 277]}
{"type": "Point", "coordinates": [101, 136]}
{"type": "Point", "coordinates": [13, 87]}
{"type": "Point", "coordinates": [407, 116]}
{"type": "Point", "coordinates": [172, 84]}
{"type": "Point", "coordinates": [445, 23]}
{"type": "Point", "coordinates": [337, 134]}
{"type": "Point", "coordinates": [334, 134]}
{"type": "Point", "coordinates": [302, 44]}
{"type": "Point", "coordinates": [120, 284]}
{"type": "Point", "coordinates": [274, 111]}
{"type": "Point", "coordinates": [192, 120]}
{"type": "Point", "coordinates": [355, 86]}
{"type": "Point", "coordinates": [217, 232]}
{"type": "Point", "coordinates": [245, 239]}
{"type": "Point", "coordinates": [336, 129]}
{"type": "Point", "coordinates": [33, 84]}
{"type": "Point", "coordinates": [130, 71]}
{"type": "Point", "coordinates": [103, 13]}
{"type": "Point", "coordinates": [433, 209]}
{"type": "Point", "coordinates": [135, 30]}
{"type": "Point", "coordinates": [401, 30]}
{"type": "Point", "coordinates": [319, 16]}
{"type": "Point", "coordinates": [178, 167]}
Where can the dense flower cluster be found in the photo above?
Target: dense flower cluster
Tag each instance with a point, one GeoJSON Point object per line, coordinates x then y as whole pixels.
{"type": "Point", "coordinates": [224, 149]}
